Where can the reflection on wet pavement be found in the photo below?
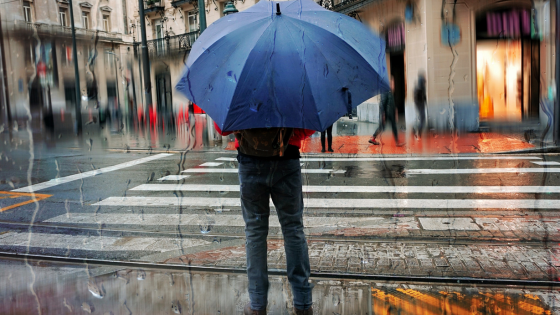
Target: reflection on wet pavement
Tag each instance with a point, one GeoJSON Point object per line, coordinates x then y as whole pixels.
{"type": "Point", "coordinates": [72, 289]}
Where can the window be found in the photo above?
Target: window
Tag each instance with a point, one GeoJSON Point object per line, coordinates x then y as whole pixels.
{"type": "Point", "coordinates": [85, 20]}
{"type": "Point", "coordinates": [106, 23]}
{"type": "Point", "coordinates": [27, 11]}
{"type": "Point", "coordinates": [62, 17]}
{"type": "Point", "coordinates": [110, 59]}
{"type": "Point", "coordinates": [192, 20]}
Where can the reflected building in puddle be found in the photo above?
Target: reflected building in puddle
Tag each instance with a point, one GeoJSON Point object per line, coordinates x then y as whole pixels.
{"type": "Point", "coordinates": [71, 289]}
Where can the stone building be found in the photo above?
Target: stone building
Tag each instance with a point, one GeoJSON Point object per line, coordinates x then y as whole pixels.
{"type": "Point", "coordinates": [485, 61]}
{"type": "Point", "coordinates": [37, 53]}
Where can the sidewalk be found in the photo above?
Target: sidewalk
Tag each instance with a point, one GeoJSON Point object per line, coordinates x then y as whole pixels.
{"type": "Point", "coordinates": [487, 142]}
{"type": "Point", "coordinates": [418, 259]}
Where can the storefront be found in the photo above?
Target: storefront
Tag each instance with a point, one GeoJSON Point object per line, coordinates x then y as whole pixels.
{"type": "Point", "coordinates": [507, 67]}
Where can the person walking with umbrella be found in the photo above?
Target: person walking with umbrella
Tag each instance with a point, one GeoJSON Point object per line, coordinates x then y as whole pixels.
{"type": "Point", "coordinates": [388, 112]}
{"type": "Point", "coordinates": [272, 74]}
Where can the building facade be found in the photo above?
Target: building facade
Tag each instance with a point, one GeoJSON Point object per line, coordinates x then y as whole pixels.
{"type": "Point", "coordinates": [38, 58]}
{"type": "Point", "coordinates": [484, 60]}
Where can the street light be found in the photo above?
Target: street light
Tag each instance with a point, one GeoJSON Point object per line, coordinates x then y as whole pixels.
{"type": "Point", "coordinates": [230, 8]}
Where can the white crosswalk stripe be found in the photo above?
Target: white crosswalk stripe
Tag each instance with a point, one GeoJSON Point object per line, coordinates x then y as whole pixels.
{"type": "Point", "coordinates": [341, 203]}
{"type": "Point", "coordinates": [224, 220]}
{"type": "Point", "coordinates": [97, 243]}
{"type": "Point", "coordinates": [400, 158]}
{"type": "Point", "coordinates": [234, 170]}
{"type": "Point", "coordinates": [365, 189]}
{"type": "Point", "coordinates": [482, 170]}
{"type": "Point", "coordinates": [547, 163]}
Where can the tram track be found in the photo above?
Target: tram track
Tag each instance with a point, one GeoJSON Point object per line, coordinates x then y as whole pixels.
{"type": "Point", "coordinates": [280, 272]}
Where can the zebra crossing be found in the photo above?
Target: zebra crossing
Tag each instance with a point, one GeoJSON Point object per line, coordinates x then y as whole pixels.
{"type": "Point", "coordinates": [155, 206]}
{"type": "Point", "coordinates": [366, 192]}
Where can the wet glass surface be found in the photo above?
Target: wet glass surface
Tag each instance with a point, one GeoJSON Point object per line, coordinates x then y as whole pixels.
{"type": "Point", "coordinates": [104, 163]}
{"type": "Point", "coordinates": [69, 288]}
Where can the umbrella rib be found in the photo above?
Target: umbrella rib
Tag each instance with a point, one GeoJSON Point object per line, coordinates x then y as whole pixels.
{"type": "Point", "coordinates": [228, 121]}
{"type": "Point", "coordinates": [306, 77]}
{"type": "Point", "coordinates": [329, 32]}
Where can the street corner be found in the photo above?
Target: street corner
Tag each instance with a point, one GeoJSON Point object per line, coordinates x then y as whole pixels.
{"type": "Point", "coordinates": [10, 200]}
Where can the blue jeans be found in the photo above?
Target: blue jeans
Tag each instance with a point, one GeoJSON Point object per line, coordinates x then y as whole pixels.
{"type": "Point", "coordinates": [280, 180]}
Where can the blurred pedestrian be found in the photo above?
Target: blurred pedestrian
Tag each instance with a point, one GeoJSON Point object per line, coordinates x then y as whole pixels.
{"type": "Point", "coordinates": [420, 102]}
{"type": "Point", "coordinates": [388, 112]}
{"type": "Point", "coordinates": [269, 168]}
{"type": "Point", "coordinates": [328, 133]}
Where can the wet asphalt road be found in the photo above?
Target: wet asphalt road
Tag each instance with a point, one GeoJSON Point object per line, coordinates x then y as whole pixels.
{"type": "Point", "coordinates": [135, 212]}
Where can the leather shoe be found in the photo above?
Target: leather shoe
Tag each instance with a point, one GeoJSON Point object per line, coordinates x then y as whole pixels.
{"type": "Point", "coordinates": [248, 311]}
{"type": "Point", "coordinates": [308, 311]}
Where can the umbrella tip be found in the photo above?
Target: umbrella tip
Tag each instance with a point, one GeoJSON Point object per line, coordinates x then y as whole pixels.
{"type": "Point", "coordinates": [278, 9]}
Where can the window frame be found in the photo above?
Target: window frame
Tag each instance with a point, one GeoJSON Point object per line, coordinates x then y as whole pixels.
{"type": "Point", "coordinates": [106, 20]}
{"type": "Point", "coordinates": [85, 20]}
{"type": "Point", "coordinates": [63, 12]}
{"type": "Point", "coordinates": [28, 11]}
{"type": "Point", "coordinates": [193, 14]}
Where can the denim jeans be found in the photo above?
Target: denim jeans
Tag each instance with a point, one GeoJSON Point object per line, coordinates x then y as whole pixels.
{"type": "Point", "coordinates": [280, 180]}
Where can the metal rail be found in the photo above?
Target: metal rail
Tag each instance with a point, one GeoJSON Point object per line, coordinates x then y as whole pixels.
{"type": "Point", "coordinates": [171, 45]}
{"type": "Point", "coordinates": [280, 272]}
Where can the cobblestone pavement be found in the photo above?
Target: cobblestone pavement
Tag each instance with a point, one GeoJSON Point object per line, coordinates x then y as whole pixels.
{"type": "Point", "coordinates": [397, 258]}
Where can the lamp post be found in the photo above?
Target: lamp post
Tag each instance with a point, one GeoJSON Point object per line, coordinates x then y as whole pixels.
{"type": "Point", "coordinates": [78, 109]}
{"type": "Point", "coordinates": [146, 62]}
{"type": "Point", "coordinates": [201, 16]}
{"type": "Point", "coordinates": [556, 135]}
{"type": "Point", "coordinates": [230, 8]}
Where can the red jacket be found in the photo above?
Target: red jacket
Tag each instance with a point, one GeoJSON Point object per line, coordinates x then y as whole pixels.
{"type": "Point", "coordinates": [296, 139]}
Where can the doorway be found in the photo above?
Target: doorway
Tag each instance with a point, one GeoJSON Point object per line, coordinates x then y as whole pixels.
{"type": "Point", "coordinates": [396, 61]}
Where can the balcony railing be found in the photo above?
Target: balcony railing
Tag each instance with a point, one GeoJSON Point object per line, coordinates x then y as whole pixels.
{"type": "Point", "coordinates": [153, 6]}
{"type": "Point", "coordinates": [171, 45]}
{"type": "Point", "coordinates": [65, 31]}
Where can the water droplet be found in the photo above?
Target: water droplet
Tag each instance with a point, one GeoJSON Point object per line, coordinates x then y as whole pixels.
{"type": "Point", "coordinates": [255, 105]}
{"type": "Point", "coordinates": [95, 289]}
{"type": "Point", "coordinates": [205, 228]}
{"type": "Point", "coordinates": [141, 274]}
{"type": "Point", "coordinates": [176, 307]}
{"type": "Point", "coordinates": [231, 76]}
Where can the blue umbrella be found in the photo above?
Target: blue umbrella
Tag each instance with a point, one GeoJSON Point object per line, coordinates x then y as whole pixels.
{"type": "Point", "coordinates": [284, 64]}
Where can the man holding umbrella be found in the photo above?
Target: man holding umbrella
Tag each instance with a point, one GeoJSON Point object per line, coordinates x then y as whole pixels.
{"type": "Point", "coordinates": [272, 74]}
{"type": "Point", "coordinates": [278, 177]}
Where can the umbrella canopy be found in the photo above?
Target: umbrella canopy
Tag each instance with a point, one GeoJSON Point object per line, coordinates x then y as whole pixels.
{"type": "Point", "coordinates": [297, 68]}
